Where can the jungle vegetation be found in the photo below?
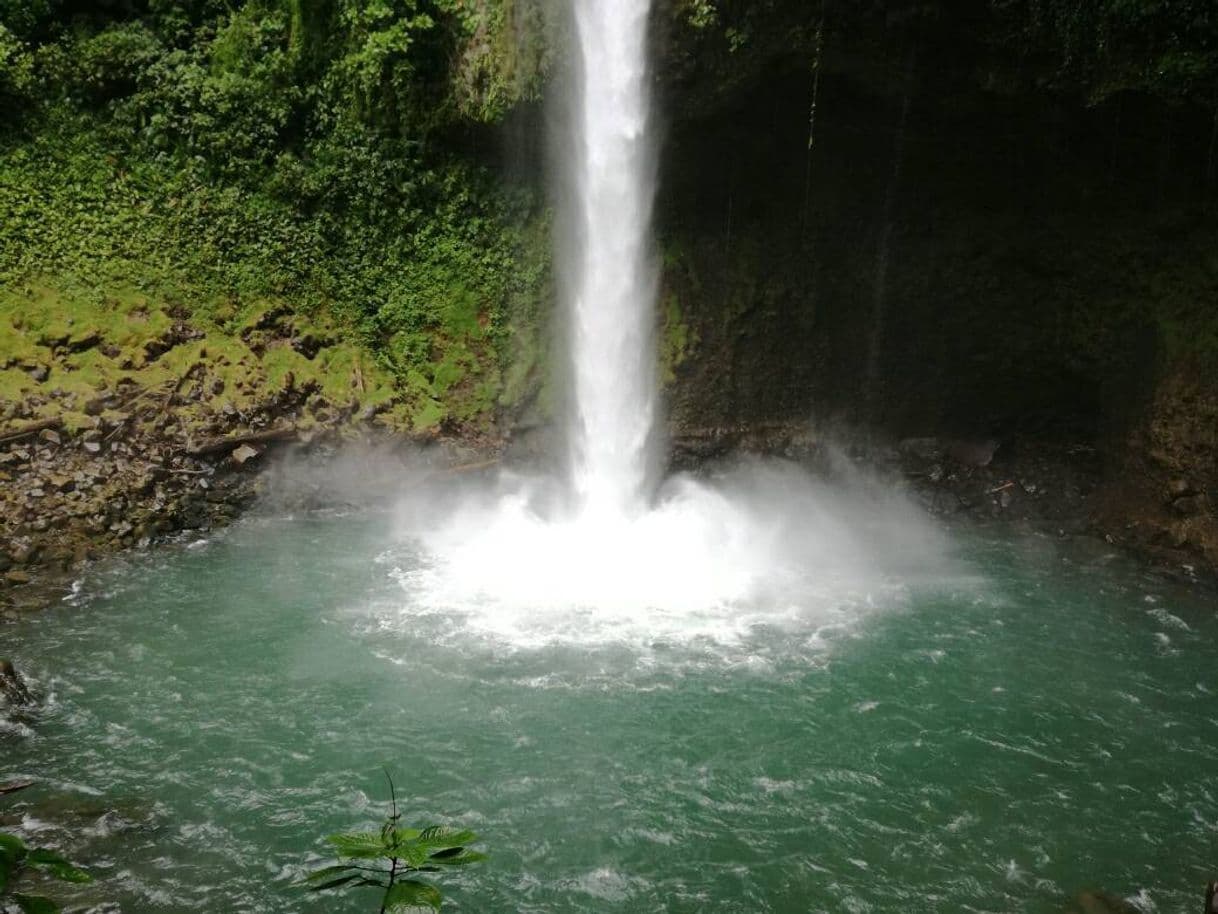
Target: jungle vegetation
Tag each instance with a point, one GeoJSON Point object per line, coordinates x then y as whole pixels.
{"type": "Point", "coordinates": [347, 156]}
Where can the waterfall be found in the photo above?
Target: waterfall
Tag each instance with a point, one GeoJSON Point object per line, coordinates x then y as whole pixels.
{"type": "Point", "coordinates": [611, 285]}
{"type": "Point", "coordinates": [640, 559]}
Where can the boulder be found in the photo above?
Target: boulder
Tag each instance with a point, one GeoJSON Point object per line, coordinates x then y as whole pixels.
{"type": "Point", "coordinates": [973, 453]}
{"type": "Point", "coordinates": [240, 456]}
{"type": "Point", "coordinates": [1178, 488]}
{"type": "Point", "coordinates": [13, 689]}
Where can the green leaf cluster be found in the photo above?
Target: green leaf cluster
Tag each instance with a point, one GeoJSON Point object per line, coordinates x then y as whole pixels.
{"type": "Point", "coordinates": [392, 858]}
{"type": "Point", "coordinates": [1166, 47]}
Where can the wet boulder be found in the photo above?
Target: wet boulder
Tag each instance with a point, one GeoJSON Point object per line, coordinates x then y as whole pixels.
{"type": "Point", "coordinates": [973, 452]}
{"type": "Point", "coordinates": [13, 690]}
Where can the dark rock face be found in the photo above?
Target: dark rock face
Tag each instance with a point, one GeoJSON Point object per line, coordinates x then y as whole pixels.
{"type": "Point", "coordinates": [948, 259]}
{"type": "Point", "coordinates": [925, 269]}
{"type": "Point", "coordinates": [1165, 488]}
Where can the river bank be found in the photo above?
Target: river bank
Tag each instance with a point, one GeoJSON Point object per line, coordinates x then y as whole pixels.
{"type": "Point", "coordinates": [124, 423]}
{"type": "Point", "coordinates": [138, 477]}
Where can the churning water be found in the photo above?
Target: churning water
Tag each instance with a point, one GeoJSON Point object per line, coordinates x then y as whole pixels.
{"type": "Point", "coordinates": [997, 747]}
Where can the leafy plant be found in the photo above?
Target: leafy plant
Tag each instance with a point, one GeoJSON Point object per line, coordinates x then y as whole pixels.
{"type": "Point", "coordinates": [389, 859]}
{"type": "Point", "coordinates": [16, 859]}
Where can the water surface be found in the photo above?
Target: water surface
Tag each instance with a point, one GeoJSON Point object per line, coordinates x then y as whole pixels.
{"type": "Point", "coordinates": [1043, 723]}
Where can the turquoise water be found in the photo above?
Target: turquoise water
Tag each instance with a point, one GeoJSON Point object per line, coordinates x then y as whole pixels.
{"type": "Point", "coordinates": [1041, 723]}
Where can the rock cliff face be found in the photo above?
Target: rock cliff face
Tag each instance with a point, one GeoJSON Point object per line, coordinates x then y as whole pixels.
{"type": "Point", "coordinates": [1166, 484]}
{"type": "Point", "coordinates": [952, 255]}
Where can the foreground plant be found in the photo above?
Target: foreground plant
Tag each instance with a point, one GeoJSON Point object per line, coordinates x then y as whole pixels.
{"type": "Point", "coordinates": [16, 859]}
{"type": "Point", "coordinates": [390, 858]}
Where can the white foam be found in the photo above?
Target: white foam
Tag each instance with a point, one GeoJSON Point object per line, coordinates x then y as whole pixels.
{"type": "Point", "coordinates": [764, 546]}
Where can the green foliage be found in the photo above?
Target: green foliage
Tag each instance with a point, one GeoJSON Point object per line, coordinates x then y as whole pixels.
{"type": "Point", "coordinates": [213, 153]}
{"type": "Point", "coordinates": [1169, 47]}
{"type": "Point", "coordinates": [16, 71]}
{"type": "Point", "coordinates": [390, 858]}
{"type": "Point", "coordinates": [677, 338]}
{"type": "Point", "coordinates": [505, 59]}
{"type": "Point", "coordinates": [701, 14]}
{"type": "Point", "coordinates": [17, 859]}
{"type": "Point", "coordinates": [734, 22]}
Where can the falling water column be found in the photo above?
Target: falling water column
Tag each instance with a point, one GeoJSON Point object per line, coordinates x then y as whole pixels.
{"type": "Point", "coordinates": [612, 285]}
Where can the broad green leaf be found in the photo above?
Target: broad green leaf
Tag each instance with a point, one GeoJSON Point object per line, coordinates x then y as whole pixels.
{"type": "Point", "coordinates": [57, 866]}
{"type": "Point", "coordinates": [36, 904]}
{"type": "Point", "coordinates": [412, 898]}
{"type": "Point", "coordinates": [363, 845]}
{"type": "Point", "coordinates": [444, 836]}
{"type": "Point", "coordinates": [393, 835]}
{"type": "Point", "coordinates": [455, 856]}
{"type": "Point", "coordinates": [411, 854]}
{"type": "Point", "coordinates": [331, 877]}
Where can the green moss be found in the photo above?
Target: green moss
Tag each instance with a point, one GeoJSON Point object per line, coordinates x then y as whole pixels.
{"type": "Point", "coordinates": [427, 416]}
{"type": "Point", "coordinates": [39, 327]}
{"type": "Point", "coordinates": [677, 339]}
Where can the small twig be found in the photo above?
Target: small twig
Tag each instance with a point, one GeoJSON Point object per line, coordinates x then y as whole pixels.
{"type": "Point", "coordinates": [393, 797]}
{"type": "Point", "coordinates": [173, 392]}
{"type": "Point", "coordinates": [393, 818]}
{"type": "Point", "coordinates": [1001, 488]}
{"type": "Point", "coordinates": [143, 393]}
{"type": "Point", "coordinates": [20, 434]}
{"type": "Point", "coordinates": [225, 445]}
{"type": "Point", "coordinates": [134, 399]}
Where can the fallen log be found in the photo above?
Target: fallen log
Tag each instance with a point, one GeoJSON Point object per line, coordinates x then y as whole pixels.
{"type": "Point", "coordinates": [20, 434]}
{"type": "Point", "coordinates": [227, 445]}
{"type": "Point", "coordinates": [14, 786]}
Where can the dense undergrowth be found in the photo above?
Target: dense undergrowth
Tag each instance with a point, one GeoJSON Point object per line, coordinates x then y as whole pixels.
{"type": "Point", "coordinates": [221, 158]}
